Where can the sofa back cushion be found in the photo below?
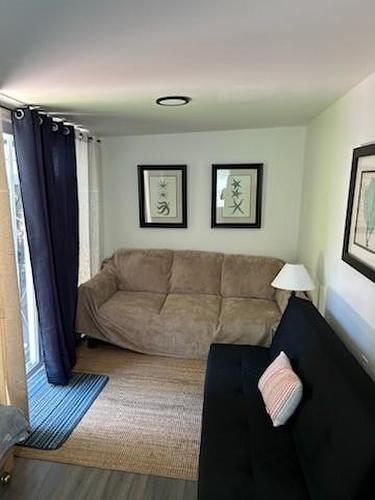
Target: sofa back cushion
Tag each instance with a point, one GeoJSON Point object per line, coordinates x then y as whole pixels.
{"type": "Point", "coordinates": [188, 271]}
{"type": "Point", "coordinates": [196, 272]}
{"type": "Point", "coordinates": [334, 426]}
{"type": "Point", "coordinates": [248, 276]}
{"type": "Point", "coordinates": [143, 270]}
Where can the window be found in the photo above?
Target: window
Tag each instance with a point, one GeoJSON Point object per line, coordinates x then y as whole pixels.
{"type": "Point", "coordinates": [24, 273]}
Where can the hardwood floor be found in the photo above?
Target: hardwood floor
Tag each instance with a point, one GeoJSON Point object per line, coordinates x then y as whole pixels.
{"type": "Point", "coordinates": [40, 480]}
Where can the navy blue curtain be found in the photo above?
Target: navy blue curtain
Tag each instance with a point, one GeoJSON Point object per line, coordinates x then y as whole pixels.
{"type": "Point", "coordinates": [46, 161]}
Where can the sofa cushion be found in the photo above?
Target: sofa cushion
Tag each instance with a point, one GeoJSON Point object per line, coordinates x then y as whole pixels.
{"type": "Point", "coordinates": [132, 320]}
{"type": "Point", "coordinates": [191, 321]}
{"type": "Point", "coordinates": [143, 270]}
{"type": "Point", "coordinates": [225, 468]}
{"type": "Point", "coordinates": [248, 276]}
{"type": "Point", "coordinates": [242, 456]}
{"type": "Point", "coordinates": [333, 427]}
{"type": "Point", "coordinates": [247, 321]}
{"type": "Point", "coordinates": [281, 390]}
{"type": "Point", "coordinates": [123, 305]}
{"type": "Point", "coordinates": [196, 272]}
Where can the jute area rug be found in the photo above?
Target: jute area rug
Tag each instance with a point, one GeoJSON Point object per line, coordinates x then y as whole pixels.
{"type": "Point", "coordinates": [146, 420]}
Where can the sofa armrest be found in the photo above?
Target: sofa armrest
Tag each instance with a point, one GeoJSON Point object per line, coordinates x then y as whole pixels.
{"type": "Point", "coordinates": [91, 295]}
{"type": "Point", "coordinates": [282, 298]}
{"type": "Point", "coordinates": [100, 288]}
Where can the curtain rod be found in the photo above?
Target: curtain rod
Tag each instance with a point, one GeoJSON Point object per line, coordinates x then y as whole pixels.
{"type": "Point", "coordinates": [5, 107]}
{"type": "Point", "coordinates": [6, 101]}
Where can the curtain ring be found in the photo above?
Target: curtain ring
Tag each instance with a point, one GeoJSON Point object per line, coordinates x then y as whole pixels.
{"type": "Point", "coordinates": [66, 131]}
{"type": "Point", "coordinates": [55, 127]}
{"type": "Point", "coordinates": [19, 114]}
{"type": "Point", "coordinates": [40, 120]}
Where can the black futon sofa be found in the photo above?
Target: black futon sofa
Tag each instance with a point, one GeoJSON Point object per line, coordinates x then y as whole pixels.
{"type": "Point", "coordinates": [326, 451]}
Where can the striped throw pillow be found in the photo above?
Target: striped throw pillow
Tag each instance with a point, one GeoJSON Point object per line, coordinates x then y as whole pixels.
{"type": "Point", "coordinates": [281, 390]}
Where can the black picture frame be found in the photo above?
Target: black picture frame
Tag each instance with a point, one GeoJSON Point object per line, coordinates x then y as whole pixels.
{"type": "Point", "coordinates": [161, 221]}
{"type": "Point", "coordinates": [353, 213]}
{"type": "Point", "coordinates": [253, 168]}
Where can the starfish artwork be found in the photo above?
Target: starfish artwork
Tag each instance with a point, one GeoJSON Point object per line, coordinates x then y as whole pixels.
{"type": "Point", "coordinates": [163, 203]}
{"type": "Point", "coordinates": [236, 196]}
{"type": "Point", "coordinates": [237, 201]}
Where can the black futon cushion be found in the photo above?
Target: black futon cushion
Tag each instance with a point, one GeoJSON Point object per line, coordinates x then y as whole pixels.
{"type": "Point", "coordinates": [242, 455]}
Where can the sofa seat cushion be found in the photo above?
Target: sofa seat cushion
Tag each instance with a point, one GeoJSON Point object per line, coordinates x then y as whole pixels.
{"type": "Point", "coordinates": [191, 322]}
{"type": "Point", "coordinates": [124, 305]}
{"type": "Point", "coordinates": [196, 272]}
{"type": "Point", "coordinates": [132, 320]}
{"type": "Point", "coordinates": [242, 456]}
{"type": "Point", "coordinates": [175, 324]}
{"type": "Point", "coordinates": [225, 462]}
{"type": "Point", "coordinates": [276, 468]}
{"type": "Point", "coordinates": [247, 321]}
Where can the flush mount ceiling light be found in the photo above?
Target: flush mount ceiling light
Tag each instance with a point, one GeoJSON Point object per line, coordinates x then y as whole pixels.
{"type": "Point", "coordinates": [173, 100]}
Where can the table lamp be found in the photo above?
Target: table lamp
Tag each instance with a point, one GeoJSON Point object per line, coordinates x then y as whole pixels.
{"type": "Point", "coordinates": [293, 277]}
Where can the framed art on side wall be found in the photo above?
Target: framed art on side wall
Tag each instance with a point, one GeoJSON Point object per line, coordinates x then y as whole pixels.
{"type": "Point", "coordinates": [162, 196]}
{"type": "Point", "coordinates": [237, 195]}
{"type": "Point", "coordinates": [359, 236]}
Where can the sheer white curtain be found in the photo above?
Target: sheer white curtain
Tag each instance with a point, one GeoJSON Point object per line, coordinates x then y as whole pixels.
{"type": "Point", "coordinates": [89, 198]}
{"type": "Point", "coordinates": [95, 204]}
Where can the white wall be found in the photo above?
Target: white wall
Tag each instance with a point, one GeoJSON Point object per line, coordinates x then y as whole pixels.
{"type": "Point", "coordinates": [345, 296]}
{"type": "Point", "coordinates": [281, 151]}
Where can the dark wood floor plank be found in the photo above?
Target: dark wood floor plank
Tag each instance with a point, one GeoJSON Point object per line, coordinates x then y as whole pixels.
{"type": "Point", "coordinates": [41, 480]}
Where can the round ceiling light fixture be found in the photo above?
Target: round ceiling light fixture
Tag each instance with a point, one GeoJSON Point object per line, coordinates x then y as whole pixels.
{"type": "Point", "coordinates": [173, 100]}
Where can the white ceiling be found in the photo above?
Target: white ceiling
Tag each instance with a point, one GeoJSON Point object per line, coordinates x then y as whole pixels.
{"type": "Point", "coordinates": [245, 63]}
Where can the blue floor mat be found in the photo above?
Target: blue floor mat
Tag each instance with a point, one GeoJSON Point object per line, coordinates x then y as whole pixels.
{"type": "Point", "coordinates": [55, 410]}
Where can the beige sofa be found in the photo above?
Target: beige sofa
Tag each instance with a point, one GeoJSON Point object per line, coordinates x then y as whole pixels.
{"type": "Point", "coordinates": [176, 303]}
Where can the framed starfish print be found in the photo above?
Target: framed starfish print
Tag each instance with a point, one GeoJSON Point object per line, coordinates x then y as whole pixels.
{"type": "Point", "coordinates": [237, 195]}
{"type": "Point", "coordinates": [162, 196]}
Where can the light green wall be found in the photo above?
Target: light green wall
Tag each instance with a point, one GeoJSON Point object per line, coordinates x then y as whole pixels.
{"type": "Point", "coordinates": [345, 296]}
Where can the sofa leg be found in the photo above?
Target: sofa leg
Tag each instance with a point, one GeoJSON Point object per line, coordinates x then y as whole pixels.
{"type": "Point", "coordinates": [92, 343]}
{"type": "Point", "coordinates": [5, 478]}
{"type": "Point", "coordinates": [6, 468]}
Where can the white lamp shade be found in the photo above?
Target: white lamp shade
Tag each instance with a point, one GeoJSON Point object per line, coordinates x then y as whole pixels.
{"type": "Point", "coordinates": [293, 277]}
